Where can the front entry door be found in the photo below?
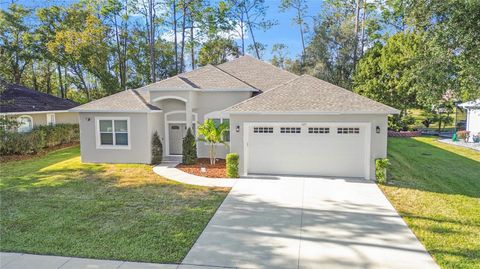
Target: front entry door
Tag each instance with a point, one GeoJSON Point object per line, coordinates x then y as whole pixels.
{"type": "Point", "coordinates": [177, 132]}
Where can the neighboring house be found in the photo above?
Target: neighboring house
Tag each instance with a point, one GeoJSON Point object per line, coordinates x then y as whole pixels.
{"type": "Point", "coordinates": [30, 108]}
{"type": "Point", "coordinates": [473, 117]}
{"type": "Point", "coordinates": [280, 123]}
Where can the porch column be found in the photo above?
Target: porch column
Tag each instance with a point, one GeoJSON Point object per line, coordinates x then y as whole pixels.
{"type": "Point", "coordinates": [188, 113]}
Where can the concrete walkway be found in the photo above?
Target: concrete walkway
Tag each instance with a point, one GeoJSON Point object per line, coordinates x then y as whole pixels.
{"type": "Point", "coordinates": [28, 261]}
{"type": "Point", "coordinates": [168, 170]}
{"type": "Point", "coordinates": [470, 145]}
{"type": "Point", "coordinates": [294, 222]}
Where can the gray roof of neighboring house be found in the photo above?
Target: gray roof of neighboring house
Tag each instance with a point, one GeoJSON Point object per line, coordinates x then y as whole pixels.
{"type": "Point", "coordinates": [307, 94]}
{"type": "Point", "coordinates": [259, 74]}
{"type": "Point", "coordinates": [129, 100]}
{"type": "Point", "coordinates": [17, 98]}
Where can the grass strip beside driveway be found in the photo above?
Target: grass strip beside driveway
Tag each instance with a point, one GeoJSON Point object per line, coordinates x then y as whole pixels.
{"type": "Point", "coordinates": [436, 189]}
{"type": "Point", "coordinates": [57, 205]}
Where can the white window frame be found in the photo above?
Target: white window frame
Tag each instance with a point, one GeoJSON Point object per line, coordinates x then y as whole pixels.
{"type": "Point", "coordinates": [113, 119]}
{"type": "Point", "coordinates": [220, 115]}
{"type": "Point", "coordinates": [53, 122]}
{"type": "Point", "coordinates": [18, 120]}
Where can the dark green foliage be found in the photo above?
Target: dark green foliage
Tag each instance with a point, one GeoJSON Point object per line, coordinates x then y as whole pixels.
{"type": "Point", "coordinates": [232, 165]}
{"type": "Point", "coordinates": [189, 152]}
{"type": "Point", "coordinates": [381, 170]}
{"type": "Point", "coordinates": [157, 149]}
{"type": "Point", "coordinates": [40, 137]}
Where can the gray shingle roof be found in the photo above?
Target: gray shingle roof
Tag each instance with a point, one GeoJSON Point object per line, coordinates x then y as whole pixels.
{"type": "Point", "coordinates": [129, 100]}
{"type": "Point", "coordinates": [307, 94]}
{"type": "Point", "coordinates": [283, 91]}
{"type": "Point", "coordinates": [259, 74]}
{"type": "Point", "coordinates": [211, 77]}
{"type": "Point", "coordinates": [17, 98]}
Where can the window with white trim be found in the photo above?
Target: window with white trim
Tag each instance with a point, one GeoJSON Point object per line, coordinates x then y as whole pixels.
{"type": "Point", "coordinates": [51, 119]}
{"type": "Point", "coordinates": [290, 130]}
{"type": "Point", "coordinates": [263, 130]}
{"type": "Point", "coordinates": [318, 130]}
{"type": "Point", "coordinates": [113, 132]}
{"type": "Point", "coordinates": [349, 130]}
{"type": "Point", "coordinates": [25, 124]}
{"type": "Point", "coordinates": [226, 134]}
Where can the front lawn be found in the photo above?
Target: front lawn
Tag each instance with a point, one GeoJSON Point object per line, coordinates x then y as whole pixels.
{"type": "Point", "coordinates": [57, 205]}
{"type": "Point", "coordinates": [436, 189]}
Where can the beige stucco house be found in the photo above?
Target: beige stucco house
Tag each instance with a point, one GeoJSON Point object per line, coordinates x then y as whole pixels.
{"type": "Point", "coordinates": [31, 108]}
{"type": "Point", "coordinates": [280, 123]}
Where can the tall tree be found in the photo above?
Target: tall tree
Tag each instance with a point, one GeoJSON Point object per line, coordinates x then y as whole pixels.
{"type": "Point", "coordinates": [49, 22]}
{"type": "Point", "coordinates": [252, 15]}
{"type": "Point", "coordinates": [117, 14]}
{"type": "Point", "coordinates": [279, 55]}
{"type": "Point", "coordinates": [83, 42]}
{"type": "Point", "coordinates": [387, 72]}
{"type": "Point", "coordinates": [301, 8]}
{"type": "Point", "coordinates": [17, 44]}
{"type": "Point", "coordinates": [217, 51]}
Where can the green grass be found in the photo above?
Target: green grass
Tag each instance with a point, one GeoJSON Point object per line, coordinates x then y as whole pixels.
{"type": "Point", "coordinates": [417, 114]}
{"type": "Point", "coordinates": [436, 189]}
{"type": "Point", "coordinates": [57, 205]}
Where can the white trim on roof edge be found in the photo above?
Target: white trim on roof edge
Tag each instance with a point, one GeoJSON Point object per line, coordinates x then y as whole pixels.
{"type": "Point", "coordinates": [35, 112]}
{"type": "Point", "coordinates": [115, 111]}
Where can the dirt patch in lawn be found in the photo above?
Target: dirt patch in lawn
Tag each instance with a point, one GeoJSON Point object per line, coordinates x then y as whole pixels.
{"type": "Point", "coordinates": [213, 171]}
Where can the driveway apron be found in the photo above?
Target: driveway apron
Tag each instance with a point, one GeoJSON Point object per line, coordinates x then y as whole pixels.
{"type": "Point", "coordinates": [305, 222]}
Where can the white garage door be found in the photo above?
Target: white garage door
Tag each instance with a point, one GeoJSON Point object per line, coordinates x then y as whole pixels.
{"type": "Point", "coordinates": [320, 149]}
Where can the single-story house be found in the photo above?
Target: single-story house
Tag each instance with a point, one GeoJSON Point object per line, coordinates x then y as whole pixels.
{"type": "Point", "coordinates": [31, 108]}
{"type": "Point", "coordinates": [280, 123]}
{"type": "Point", "coordinates": [473, 117]}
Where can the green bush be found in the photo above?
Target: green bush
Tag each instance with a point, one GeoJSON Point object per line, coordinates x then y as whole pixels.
{"type": "Point", "coordinates": [37, 139]}
{"type": "Point", "coordinates": [157, 149]}
{"type": "Point", "coordinates": [381, 170]}
{"type": "Point", "coordinates": [232, 165]}
{"type": "Point", "coordinates": [189, 151]}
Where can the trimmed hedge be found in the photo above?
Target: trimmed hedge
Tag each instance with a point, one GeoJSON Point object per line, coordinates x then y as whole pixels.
{"type": "Point", "coordinates": [39, 138]}
{"type": "Point", "coordinates": [381, 170]}
{"type": "Point", "coordinates": [232, 165]}
{"type": "Point", "coordinates": [189, 150]}
{"type": "Point", "coordinates": [157, 149]}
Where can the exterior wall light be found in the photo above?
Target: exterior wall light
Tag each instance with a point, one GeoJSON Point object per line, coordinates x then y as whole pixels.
{"type": "Point", "coordinates": [237, 129]}
{"type": "Point", "coordinates": [378, 129]}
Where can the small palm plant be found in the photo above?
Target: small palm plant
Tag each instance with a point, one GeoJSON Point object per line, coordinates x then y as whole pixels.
{"type": "Point", "coordinates": [212, 134]}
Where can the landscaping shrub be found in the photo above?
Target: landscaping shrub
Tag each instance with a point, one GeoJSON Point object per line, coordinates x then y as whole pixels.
{"type": "Point", "coordinates": [232, 165]}
{"type": "Point", "coordinates": [157, 149]}
{"type": "Point", "coordinates": [381, 170]}
{"type": "Point", "coordinates": [189, 151]}
{"type": "Point", "coordinates": [37, 139]}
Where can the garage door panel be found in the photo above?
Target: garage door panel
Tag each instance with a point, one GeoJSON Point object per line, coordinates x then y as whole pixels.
{"type": "Point", "coordinates": [306, 153]}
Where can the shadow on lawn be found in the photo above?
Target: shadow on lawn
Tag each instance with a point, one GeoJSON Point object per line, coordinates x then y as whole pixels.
{"type": "Point", "coordinates": [59, 206]}
{"type": "Point", "coordinates": [419, 165]}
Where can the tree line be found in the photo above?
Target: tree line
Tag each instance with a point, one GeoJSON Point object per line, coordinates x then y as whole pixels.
{"type": "Point", "coordinates": [408, 54]}
{"type": "Point", "coordinates": [404, 53]}
{"type": "Point", "coordinates": [94, 48]}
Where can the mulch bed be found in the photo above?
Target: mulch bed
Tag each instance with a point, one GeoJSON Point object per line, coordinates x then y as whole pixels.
{"type": "Point", "coordinates": [12, 158]}
{"type": "Point", "coordinates": [213, 171]}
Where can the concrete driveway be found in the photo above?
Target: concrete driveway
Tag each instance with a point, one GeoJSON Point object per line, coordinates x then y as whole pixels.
{"type": "Point", "coordinates": [295, 222]}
